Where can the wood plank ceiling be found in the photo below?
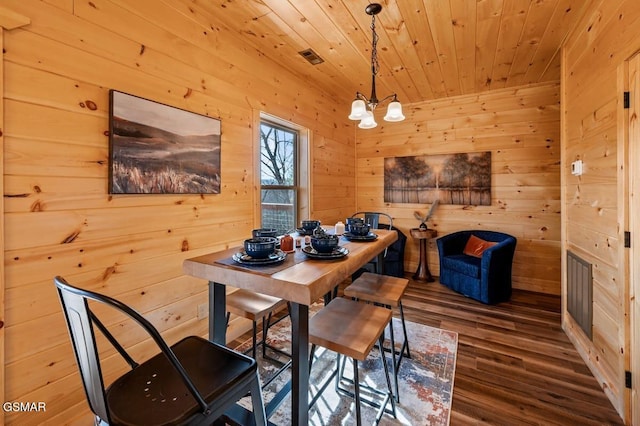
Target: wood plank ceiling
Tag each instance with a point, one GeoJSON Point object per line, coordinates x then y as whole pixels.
{"type": "Point", "coordinates": [427, 49]}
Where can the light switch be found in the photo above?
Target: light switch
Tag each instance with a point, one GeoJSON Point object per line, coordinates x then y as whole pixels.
{"type": "Point", "coordinates": [576, 168]}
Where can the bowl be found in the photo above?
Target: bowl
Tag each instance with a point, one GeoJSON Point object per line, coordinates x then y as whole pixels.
{"type": "Point", "coordinates": [310, 225]}
{"type": "Point", "coordinates": [264, 232]}
{"type": "Point", "coordinates": [359, 229]}
{"type": "Point", "coordinates": [260, 247]}
{"type": "Point", "coordinates": [325, 244]}
{"type": "Point", "coordinates": [353, 220]}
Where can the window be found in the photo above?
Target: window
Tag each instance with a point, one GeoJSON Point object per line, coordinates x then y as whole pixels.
{"type": "Point", "coordinates": [279, 176]}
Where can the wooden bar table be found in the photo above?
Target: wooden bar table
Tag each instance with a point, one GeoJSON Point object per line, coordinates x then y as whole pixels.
{"type": "Point", "coordinates": [302, 283]}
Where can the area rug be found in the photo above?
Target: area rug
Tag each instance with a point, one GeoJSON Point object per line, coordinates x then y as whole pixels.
{"type": "Point", "coordinates": [425, 380]}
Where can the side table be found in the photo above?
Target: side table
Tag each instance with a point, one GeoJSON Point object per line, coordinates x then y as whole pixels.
{"type": "Point", "coordinates": [422, 235]}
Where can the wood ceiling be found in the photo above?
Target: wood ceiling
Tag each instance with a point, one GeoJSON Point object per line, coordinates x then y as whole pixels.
{"type": "Point", "coordinates": [427, 49]}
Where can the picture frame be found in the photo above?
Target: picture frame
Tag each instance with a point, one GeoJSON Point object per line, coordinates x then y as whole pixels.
{"type": "Point", "coordinates": [155, 148]}
{"type": "Point", "coordinates": [461, 178]}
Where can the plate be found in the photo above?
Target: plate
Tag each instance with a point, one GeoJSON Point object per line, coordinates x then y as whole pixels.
{"type": "Point", "coordinates": [369, 237]}
{"type": "Point", "coordinates": [275, 257]}
{"type": "Point", "coordinates": [335, 254]}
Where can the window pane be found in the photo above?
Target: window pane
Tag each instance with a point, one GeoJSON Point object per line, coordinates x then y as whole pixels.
{"type": "Point", "coordinates": [278, 209]}
{"type": "Point", "coordinates": [277, 155]}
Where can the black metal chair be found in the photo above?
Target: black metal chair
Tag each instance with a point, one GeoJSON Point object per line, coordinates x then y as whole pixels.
{"type": "Point", "coordinates": [393, 255]}
{"type": "Point", "coordinates": [193, 382]}
{"type": "Point", "coordinates": [373, 218]}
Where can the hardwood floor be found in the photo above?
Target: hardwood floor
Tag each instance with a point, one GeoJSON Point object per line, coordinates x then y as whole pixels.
{"type": "Point", "coordinates": [515, 365]}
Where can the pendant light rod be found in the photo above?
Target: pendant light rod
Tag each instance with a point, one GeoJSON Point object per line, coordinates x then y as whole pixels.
{"type": "Point", "coordinates": [359, 110]}
{"type": "Point", "coordinates": [372, 10]}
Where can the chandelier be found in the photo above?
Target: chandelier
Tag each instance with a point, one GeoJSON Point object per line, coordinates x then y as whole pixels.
{"type": "Point", "coordinates": [362, 107]}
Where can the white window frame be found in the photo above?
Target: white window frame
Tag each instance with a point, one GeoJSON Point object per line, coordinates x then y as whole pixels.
{"type": "Point", "coordinates": [303, 199]}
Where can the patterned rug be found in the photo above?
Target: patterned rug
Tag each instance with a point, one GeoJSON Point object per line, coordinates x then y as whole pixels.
{"type": "Point", "coordinates": [425, 379]}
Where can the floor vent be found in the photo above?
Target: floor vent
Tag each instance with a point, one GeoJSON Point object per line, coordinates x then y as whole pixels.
{"type": "Point", "coordinates": [580, 292]}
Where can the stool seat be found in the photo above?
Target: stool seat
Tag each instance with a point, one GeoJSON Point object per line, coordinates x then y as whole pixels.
{"type": "Point", "coordinates": [347, 327]}
{"type": "Point", "coordinates": [252, 305]}
{"type": "Point", "coordinates": [376, 288]}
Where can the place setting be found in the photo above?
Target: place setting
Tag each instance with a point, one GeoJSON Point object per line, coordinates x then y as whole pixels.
{"type": "Point", "coordinates": [324, 246]}
{"type": "Point", "coordinates": [260, 251]}
{"type": "Point", "coordinates": [307, 227]}
{"type": "Point", "coordinates": [357, 230]}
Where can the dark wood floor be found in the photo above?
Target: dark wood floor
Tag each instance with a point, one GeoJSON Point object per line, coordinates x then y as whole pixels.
{"type": "Point", "coordinates": [515, 365]}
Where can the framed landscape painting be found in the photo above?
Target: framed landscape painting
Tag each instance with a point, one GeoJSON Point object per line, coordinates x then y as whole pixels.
{"type": "Point", "coordinates": [158, 149]}
{"type": "Point", "coordinates": [463, 179]}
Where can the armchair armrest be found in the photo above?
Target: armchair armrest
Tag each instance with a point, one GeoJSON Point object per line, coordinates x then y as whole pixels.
{"type": "Point", "coordinates": [496, 263]}
{"type": "Point", "coordinates": [501, 252]}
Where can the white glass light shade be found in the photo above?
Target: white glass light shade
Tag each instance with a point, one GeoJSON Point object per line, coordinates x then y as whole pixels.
{"type": "Point", "coordinates": [358, 110]}
{"type": "Point", "coordinates": [394, 112]}
{"type": "Point", "coordinates": [368, 122]}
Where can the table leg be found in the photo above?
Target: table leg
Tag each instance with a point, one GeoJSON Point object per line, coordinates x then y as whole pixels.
{"type": "Point", "coordinates": [299, 364]}
{"type": "Point", "coordinates": [217, 313]}
{"type": "Point", "coordinates": [423, 273]}
{"type": "Point", "coordinates": [380, 262]}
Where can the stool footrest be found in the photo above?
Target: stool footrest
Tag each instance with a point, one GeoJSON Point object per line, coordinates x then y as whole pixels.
{"type": "Point", "coordinates": [382, 407]}
{"type": "Point", "coordinates": [400, 353]}
{"type": "Point", "coordinates": [277, 373]}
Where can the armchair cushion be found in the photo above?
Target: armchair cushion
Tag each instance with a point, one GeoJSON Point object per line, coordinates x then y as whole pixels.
{"type": "Point", "coordinates": [486, 278]}
{"type": "Point", "coordinates": [464, 264]}
{"type": "Point", "coordinates": [476, 246]}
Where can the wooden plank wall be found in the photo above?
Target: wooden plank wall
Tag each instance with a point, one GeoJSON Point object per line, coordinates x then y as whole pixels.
{"type": "Point", "coordinates": [9, 20]}
{"type": "Point", "coordinates": [594, 204]}
{"type": "Point", "coordinates": [61, 221]}
{"type": "Point", "coordinates": [521, 128]}
{"type": "Point", "coordinates": [2, 282]}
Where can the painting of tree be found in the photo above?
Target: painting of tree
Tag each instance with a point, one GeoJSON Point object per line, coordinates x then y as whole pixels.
{"type": "Point", "coordinates": [463, 179]}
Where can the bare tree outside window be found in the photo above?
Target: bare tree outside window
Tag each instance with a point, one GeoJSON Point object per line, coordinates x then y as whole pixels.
{"type": "Point", "coordinates": [278, 176]}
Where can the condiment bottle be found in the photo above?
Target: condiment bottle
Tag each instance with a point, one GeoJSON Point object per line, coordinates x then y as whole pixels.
{"type": "Point", "coordinates": [339, 228]}
{"type": "Point", "coordinates": [286, 243]}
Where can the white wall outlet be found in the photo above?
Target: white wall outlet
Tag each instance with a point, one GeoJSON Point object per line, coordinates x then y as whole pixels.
{"type": "Point", "coordinates": [203, 311]}
{"type": "Point", "coordinates": [576, 168]}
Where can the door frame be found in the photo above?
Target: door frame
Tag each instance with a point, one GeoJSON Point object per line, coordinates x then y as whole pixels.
{"type": "Point", "coordinates": [629, 158]}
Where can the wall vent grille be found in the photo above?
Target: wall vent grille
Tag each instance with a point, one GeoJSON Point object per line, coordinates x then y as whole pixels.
{"type": "Point", "coordinates": [580, 292]}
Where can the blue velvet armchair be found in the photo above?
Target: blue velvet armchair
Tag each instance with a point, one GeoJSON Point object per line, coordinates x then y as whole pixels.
{"type": "Point", "coordinates": [486, 278]}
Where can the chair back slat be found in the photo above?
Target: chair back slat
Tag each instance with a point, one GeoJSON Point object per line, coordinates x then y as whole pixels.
{"type": "Point", "coordinates": [82, 336]}
{"type": "Point", "coordinates": [373, 218]}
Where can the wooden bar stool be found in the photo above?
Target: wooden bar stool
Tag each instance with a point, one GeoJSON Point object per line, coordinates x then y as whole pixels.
{"type": "Point", "coordinates": [351, 329]}
{"type": "Point", "coordinates": [386, 291]}
{"type": "Point", "coordinates": [255, 307]}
